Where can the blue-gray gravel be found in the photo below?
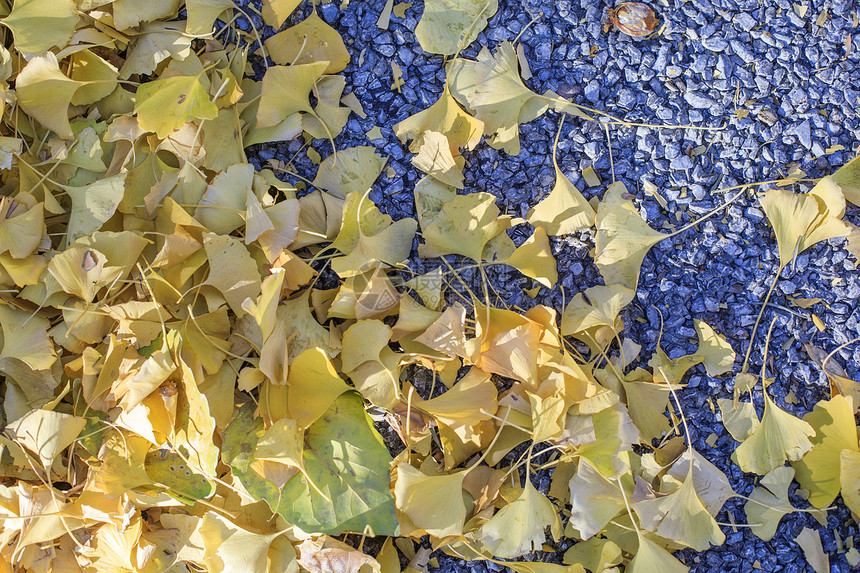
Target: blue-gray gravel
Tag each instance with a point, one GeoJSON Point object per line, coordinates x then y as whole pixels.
{"type": "Point", "coordinates": [798, 96]}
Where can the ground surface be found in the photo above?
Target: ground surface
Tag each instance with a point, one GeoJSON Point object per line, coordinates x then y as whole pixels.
{"type": "Point", "coordinates": [791, 74]}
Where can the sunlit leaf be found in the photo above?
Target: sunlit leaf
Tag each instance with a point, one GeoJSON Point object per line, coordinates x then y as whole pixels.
{"type": "Point", "coordinates": [352, 170]}
{"type": "Point", "coordinates": [309, 41]}
{"type": "Point", "coordinates": [165, 104]}
{"type": "Point", "coordinates": [768, 503]}
{"type": "Point", "coordinates": [739, 418]}
{"type": "Point", "coordinates": [623, 238]}
{"type": "Point", "coordinates": [718, 355]}
{"type": "Point", "coordinates": [286, 90]}
{"type": "Point", "coordinates": [275, 12]}
{"type": "Point", "coordinates": [446, 117]}
{"type": "Point", "coordinates": [45, 93]}
{"type": "Point", "coordinates": [818, 471]}
{"type": "Point", "coordinates": [463, 226]}
{"type": "Point", "coordinates": [39, 25]}
{"type": "Point", "coordinates": [534, 259]}
{"type": "Point", "coordinates": [779, 437]}
{"type": "Point", "coordinates": [433, 502]}
{"type": "Point", "coordinates": [849, 476]}
{"type": "Point", "coordinates": [46, 433]}
{"type": "Point", "coordinates": [518, 528]}
{"type": "Point", "coordinates": [594, 500]}
{"type": "Point", "coordinates": [651, 557]}
{"type": "Point", "coordinates": [448, 26]}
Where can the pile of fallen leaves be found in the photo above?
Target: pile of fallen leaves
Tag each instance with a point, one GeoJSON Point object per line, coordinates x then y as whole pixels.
{"type": "Point", "coordinates": [180, 395]}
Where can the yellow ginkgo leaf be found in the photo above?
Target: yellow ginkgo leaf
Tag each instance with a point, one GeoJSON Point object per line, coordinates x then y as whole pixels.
{"type": "Point", "coordinates": [464, 405]}
{"type": "Point", "coordinates": [351, 170]}
{"type": "Point", "coordinates": [276, 12]}
{"type": "Point", "coordinates": [232, 271]}
{"type": "Point", "coordinates": [534, 259]}
{"type": "Point", "coordinates": [712, 485]}
{"type": "Point", "coordinates": [221, 208]}
{"type": "Point", "coordinates": [309, 41]}
{"type": "Point", "coordinates": [800, 221]}
{"type": "Point", "coordinates": [433, 502]}
{"type": "Point", "coordinates": [651, 557]}
{"type": "Point", "coordinates": [98, 77]}
{"type": "Point", "coordinates": [493, 89]}
{"type": "Point", "coordinates": [436, 159]}
{"type": "Point", "coordinates": [165, 104]}
{"type": "Point", "coordinates": [564, 210]}
{"type": "Point", "coordinates": [779, 437]}
{"type": "Point", "coordinates": [647, 403]}
{"type": "Point", "coordinates": [597, 306]}
{"type": "Point", "coordinates": [519, 527]}
{"type": "Point", "coordinates": [448, 26]}
{"type": "Point", "coordinates": [740, 419]}
{"type": "Point", "coordinates": [769, 502]}
{"type": "Point", "coordinates": [681, 516]}
{"type": "Point", "coordinates": [818, 472]}
{"type": "Point", "coordinates": [313, 386]}
{"type": "Point", "coordinates": [25, 338]}
{"type": "Point", "coordinates": [39, 25]}
{"type": "Point", "coordinates": [283, 442]}
{"type": "Point", "coordinates": [44, 92]}
{"type": "Point", "coordinates": [203, 13]}
{"type": "Point", "coordinates": [446, 117]}
{"type": "Point", "coordinates": [717, 354]}
{"type": "Point", "coordinates": [849, 476]}
{"type": "Point", "coordinates": [21, 227]}
{"type": "Point", "coordinates": [594, 500]}
{"type": "Point", "coordinates": [93, 205]}
{"type": "Point", "coordinates": [847, 179]}
{"type": "Point", "coordinates": [463, 226]}
{"type": "Point", "coordinates": [229, 547]}
{"type": "Point", "coordinates": [623, 238]}
{"type": "Point", "coordinates": [46, 433]}
{"type": "Point", "coordinates": [286, 90]}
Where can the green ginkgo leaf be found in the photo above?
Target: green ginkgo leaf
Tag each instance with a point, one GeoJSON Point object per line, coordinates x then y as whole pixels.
{"type": "Point", "coordinates": [448, 26]}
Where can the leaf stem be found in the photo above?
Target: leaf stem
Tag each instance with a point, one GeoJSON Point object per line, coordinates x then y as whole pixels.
{"type": "Point", "coordinates": [757, 320]}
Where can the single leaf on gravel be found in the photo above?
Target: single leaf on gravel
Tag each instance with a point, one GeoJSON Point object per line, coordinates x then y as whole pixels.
{"type": "Point", "coordinates": [448, 118]}
{"type": "Point", "coordinates": [623, 238]}
{"type": "Point", "coordinates": [448, 26]}
{"type": "Point", "coordinates": [519, 527]}
{"type": "Point", "coordinates": [800, 221]}
{"type": "Point", "coordinates": [810, 541]}
{"type": "Point", "coordinates": [818, 472]}
{"type": "Point", "coordinates": [769, 502]}
{"type": "Point", "coordinates": [739, 418]}
{"type": "Point", "coordinates": [45, 93]}
{"type": "Point", "coordinates": [39, 25]}
{"type": "Point", "coordinates": [534, 259]}
{"type": "Point", "coordinates": [717, 354]}
{"type": "Point", "coordinates": [352, 170]}
{"type": "Point", "coordinates": [651, 557]}
{"type": "Point", "coordinates": [309, 41]}
{"type": "Point", "coordinates": [564, 210]}
{"type": "Point", "coordinates": [463, 226]}
{"type": "Point", "coordinates": [286, 90]}
{"type": "Point", "coordinates": [347, 461]}
{"type": "Point", "coordinates": [493, 89]}
{"type": "Point", "coordinates": [779, 437]}
{"type": "Point", "coordinates": [164, 105]}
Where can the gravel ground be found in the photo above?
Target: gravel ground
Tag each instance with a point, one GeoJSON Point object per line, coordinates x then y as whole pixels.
{"type": "Point", "coordinates": [713, 58]}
